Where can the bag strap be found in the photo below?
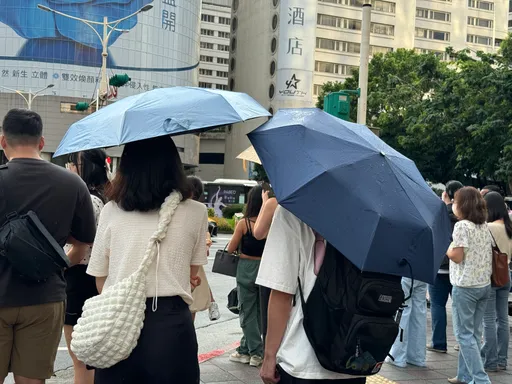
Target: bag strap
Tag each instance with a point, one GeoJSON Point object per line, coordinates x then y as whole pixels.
{"type": "Point", "coordinates": [494, 243]}
{"type": "Point", "coordinates": [3, 168]}
{"type": "Point", "coordinates": [153, 249]}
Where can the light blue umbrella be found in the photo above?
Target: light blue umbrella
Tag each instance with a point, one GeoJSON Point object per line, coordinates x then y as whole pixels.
{"type": "Point", "coordinates": [163, 111]}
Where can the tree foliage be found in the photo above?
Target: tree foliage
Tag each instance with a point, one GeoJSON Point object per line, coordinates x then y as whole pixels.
{"type": "Point", "coordinates": [452, 118]}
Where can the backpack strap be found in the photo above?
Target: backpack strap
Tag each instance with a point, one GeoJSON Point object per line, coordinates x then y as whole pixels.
{"type": "Point", "coordinates": [3, 190]}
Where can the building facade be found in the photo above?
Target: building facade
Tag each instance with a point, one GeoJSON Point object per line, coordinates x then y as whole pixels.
{"type": "Point", "coordinates": [158, 46]}
{"type": "Point", "coordinates": [213, 73]}
{"type": "Point", "coordinates": [282, 51]}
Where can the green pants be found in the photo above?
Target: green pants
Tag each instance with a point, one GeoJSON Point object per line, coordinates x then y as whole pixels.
{"type": "Point", "coordinates": [249, 303]}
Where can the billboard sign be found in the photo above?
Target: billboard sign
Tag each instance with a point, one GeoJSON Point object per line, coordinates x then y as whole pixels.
{"type": "Point", "coordinates": [156, 48]}
{"type": "Point", "coordinates": [296, 52]}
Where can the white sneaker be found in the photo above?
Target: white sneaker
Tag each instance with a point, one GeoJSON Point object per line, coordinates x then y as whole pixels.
{"type": "Point", "coordinates": [213, 312]}
{"type": "Point", "coordinates": [256, 361]}
{"type": "Point", "coordinates": [238, 358]}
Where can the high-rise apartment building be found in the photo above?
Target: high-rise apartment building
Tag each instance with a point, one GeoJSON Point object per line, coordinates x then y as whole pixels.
{"type": "Point", "coordinates": [282, 51]}
{"type": "Point", "coordinates": [215, 33]}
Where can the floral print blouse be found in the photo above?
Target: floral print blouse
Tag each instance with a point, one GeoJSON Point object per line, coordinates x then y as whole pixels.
{"type": "Point", "coordinates": [475, 269]}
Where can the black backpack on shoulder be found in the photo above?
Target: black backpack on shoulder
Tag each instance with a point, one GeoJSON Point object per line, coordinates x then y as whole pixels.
{"type": "Point", "coordinates": [350, 317]}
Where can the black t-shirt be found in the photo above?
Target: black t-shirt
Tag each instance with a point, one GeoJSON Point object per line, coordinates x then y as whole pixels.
{"type": "Point", "coordinates": [62, 202]}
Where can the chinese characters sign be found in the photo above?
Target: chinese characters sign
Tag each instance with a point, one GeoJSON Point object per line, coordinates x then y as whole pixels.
{"type": "Point", "coordinates": [157, 48]}
{"type": "Point", "coordinates": [296, 51]}
{"type": "Point", "coordinates": [169, 15]}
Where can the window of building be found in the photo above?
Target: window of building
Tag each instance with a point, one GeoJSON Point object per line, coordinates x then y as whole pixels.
{"type": "Point", "coordinates": [211, 158]}
{"type": "Point", "coordinates": [338, 69]}
{"type": "Point", "coordinates": [382, 29]}
{"type": "Point", "coordinates": [432, 35]}
{"type": "Point", "coordinates": [482, 40]}
{"type": "Point", "coordinates": [222, 74]}
{"type": "Point", "coordinates": [377, 5]}
{"type": "Point", "coordinates": [206, 32]}
{"type": "Point", "coordinates": [205, 72]}
{"type": "Point", "coordinates": [328, 20]}
{"type": "Point", "coordinates": [208, 18]}
{"type": "Point", "coordinates": [222, 47]}
{"type": "Point", "coordinates": [376, 49]}
{"type": "Point", "coordinates": [223, 87]}
{"type": "Point", "coordinates": [202, 84]}
{"type": "Point", "coordinates": [225, 20]}
{"type": "Point", "coordinates": [441, 54]}
{"type": "Point", "coordinates": [222, 60]}
{"type": "Point", "coordinates": [497, 42]}
{"type": "Point", "coordinates": [337, 45]}
{"type": "Point", "coordinates": [206, 59]}
{"type": "Point", "coordinates": [224, 35]}
{"type": "Point", "coordinates": [317, 88]}
{"type": "Point", "coordinates": [478, 22]}
{"type": "Point", "coordinates": [484, 5]}
{"type": "Point", "coordinates": [423, 13]}
{"type": "Point", "coordinates": [205, 45]}
{"type": "Point", "coordinates": [510, 23]}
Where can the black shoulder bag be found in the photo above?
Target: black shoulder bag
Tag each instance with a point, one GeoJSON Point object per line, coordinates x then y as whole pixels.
{"type": "Point", "coordinates": [28, 246]}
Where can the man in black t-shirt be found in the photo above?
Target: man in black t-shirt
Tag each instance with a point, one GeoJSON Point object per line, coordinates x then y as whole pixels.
{"type": "Point", "coordinates": [32, 314]}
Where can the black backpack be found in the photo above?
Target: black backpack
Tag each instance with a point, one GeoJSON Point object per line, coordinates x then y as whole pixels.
{"type": "Point", "coordinates": [350, 317]}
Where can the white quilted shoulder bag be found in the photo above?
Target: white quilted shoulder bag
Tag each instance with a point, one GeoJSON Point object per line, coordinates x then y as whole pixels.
{"type": "Point", "coordinates": [111, 322]}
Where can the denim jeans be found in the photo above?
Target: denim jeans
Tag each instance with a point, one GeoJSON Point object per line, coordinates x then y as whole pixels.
{"type": "Point", "coordinates": [468, 313]}
{"type": "Point", "coordinates": [412, 348]}
{"type": "Point", "coordinates": [496, 329]}
{"type": "Point", "coordinates": [439, 293]}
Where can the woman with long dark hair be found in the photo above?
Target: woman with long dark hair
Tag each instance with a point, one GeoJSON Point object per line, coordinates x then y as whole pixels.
{"type": "Point", "coordinates": [496, 323]}
{"type": "Point", "coordinates": [251, 345]}
{"type": "Point", "coordinates": [91, 166]}
{"type": "Point", "coordinates": [149, 172]}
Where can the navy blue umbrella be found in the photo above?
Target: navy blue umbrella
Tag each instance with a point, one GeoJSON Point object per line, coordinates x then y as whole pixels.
{"type": "Point", "coordinates": [368, 200]}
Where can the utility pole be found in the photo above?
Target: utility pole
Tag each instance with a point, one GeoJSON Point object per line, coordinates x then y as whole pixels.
{"type": "Point", "coordinates": [364, 61]}
{"type": "Point", "coordinates": [108, 28]}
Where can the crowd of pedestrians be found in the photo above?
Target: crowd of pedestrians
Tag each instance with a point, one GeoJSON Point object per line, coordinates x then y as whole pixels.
{"type": "Point", "coordinates": [104, 225]}
{"type": "Point", "coordinates": [480, 220]}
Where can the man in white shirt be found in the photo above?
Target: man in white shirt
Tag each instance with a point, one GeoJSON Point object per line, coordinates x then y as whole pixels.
{"type": "Point", "coordinates": [289, 254]}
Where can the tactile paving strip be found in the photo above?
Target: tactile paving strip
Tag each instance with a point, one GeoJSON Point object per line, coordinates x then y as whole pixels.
{"type": "Point", "coordinates": [378, 379]}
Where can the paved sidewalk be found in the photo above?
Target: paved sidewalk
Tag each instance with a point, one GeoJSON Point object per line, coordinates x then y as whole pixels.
{"type": "Point", "coordinates": [439, 368]}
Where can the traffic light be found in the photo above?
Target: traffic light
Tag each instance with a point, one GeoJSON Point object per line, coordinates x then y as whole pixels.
{"type": "Point", "coordinates": [82, 106]}
{"type": "Point", "coordinates": [119, 80]}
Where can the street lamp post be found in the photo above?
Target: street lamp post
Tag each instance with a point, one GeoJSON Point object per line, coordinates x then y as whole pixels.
{"type": "Point", "coordinates": [30, 95]}
{"type": "Point", "coordinates": [112, 25]}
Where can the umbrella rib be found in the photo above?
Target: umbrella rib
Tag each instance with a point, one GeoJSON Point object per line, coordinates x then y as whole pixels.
{"type": "Point", "coordinates": [405, 189]}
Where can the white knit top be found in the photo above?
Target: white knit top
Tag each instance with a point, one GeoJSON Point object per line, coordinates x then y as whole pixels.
{"type": "Point", "coordinates": [122, 238]}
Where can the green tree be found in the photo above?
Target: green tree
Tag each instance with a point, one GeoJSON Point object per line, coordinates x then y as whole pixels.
{"type": "Point", "coordinates": [396, 80]}
{"type": "Point", "coordinates": [453, 119]}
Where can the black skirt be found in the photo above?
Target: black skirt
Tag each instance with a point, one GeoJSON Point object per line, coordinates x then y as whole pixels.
{"type": "Point", "coordinates": [79, 287]}
{"type": "Point", "coordinates": [166, 352]}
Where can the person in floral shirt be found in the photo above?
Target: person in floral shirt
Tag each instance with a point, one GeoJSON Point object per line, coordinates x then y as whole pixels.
{"type": "Point", "coordinates": [470, 274]}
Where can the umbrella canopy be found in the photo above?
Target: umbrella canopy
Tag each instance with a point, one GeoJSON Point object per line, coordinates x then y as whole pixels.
{"type": "Point", "coordinates": [163, 111]}
{"type": "Point", "coordinates": [249, 155]}
{"type": "Point", "coordinates": [361, 195]}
